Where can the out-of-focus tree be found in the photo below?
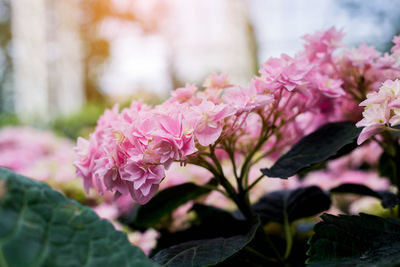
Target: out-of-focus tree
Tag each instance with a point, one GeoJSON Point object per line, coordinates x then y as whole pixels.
{"type": "Point", "coordinates": [97, 47]}
{"type": "Point", "coordinates": [6, 78]}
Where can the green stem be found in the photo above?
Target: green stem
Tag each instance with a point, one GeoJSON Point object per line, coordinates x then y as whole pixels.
{"type": "Point", "coordinates": [232, 158]}
{"type": "Point", "coordinates": [288, 236]}
{"type": "Point", "coordinates": [268, 240]}
{"type": "Point", "coordinates": [390, 129]}
{"type": "Point", "coordinates": [210, 187]}
{"type": "Point", "coordinates": [259, 255]}
{"type": "Point", "coordinates": [254, 183]}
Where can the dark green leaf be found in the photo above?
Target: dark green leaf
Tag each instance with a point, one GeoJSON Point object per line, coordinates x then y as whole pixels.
{"type": "Point", "coordinates": [355, 189]}
{"type": "Point", "coordinates": [315, 167]}
{"type": "Point", "coordinates": [210, 222]}
{"type": "Point", "coordinates": [389, 200]}
{"type": "Point", "coordinates": [206, 252]}
{"type": "Point", "coordinates": [214, 215]}
{"type": "Point", "coordinates": [316, 147]}
{"type": "Point", "coordinates": [164, 202]}
{"type": "Point", "coordinates": [387, 166]}
{"type": "Point", "coordinates": [41, 227]}
{"type": "Point", "coordinates": [297, 203]}
{"type": "Point", "coordinates": [363, 240]}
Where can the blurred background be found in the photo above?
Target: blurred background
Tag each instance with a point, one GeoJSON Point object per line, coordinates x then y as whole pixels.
{"type": "Point", "coordinates": [63, 61]}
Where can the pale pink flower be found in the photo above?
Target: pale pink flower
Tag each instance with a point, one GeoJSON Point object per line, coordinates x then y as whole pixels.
{"type": "Point", "coordinates": [146, 241]}
{"type": "Point", "coordinates": [396, 47]}
{"type": "Point", "coordinates": [375, 117]}
{"type": "Point", "coordinates": [328, 86]}
{"type": "Point", "coordinates": [84, 164]}
{"type": "Point", "coordinates": [362, 56]}
{"type": "Point", "coordinates": [215, 81]}
{"type": "Point", "coordinates": [107, 211]}
{"type": "Point", "coordinates": [246, 100]}
{"type": "Point", "coordinates": [143, 180]}
{"type": "Point", "coordinates": [210, 122]}
{"type": "Point", "coordinates": [389, 91]}
{"type": "Point", "coordinates": [183, 94]}
{"type": "Point", "coordinates": [286, 72]}
{"type": "Point", "coordinates": [321, 44]}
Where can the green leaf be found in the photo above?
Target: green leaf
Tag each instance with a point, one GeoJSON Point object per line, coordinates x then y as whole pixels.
{"type": "Point", "coordinates": [206, 252]}
{"type": "Point", "coordinates": [316, 147]}
{"type": "Point", "coordinates": [41, 227]}
{"type": "Point", "coordinates": [389, 199]}
{"type": "Point", "coordinates": [387, 166]}
{"type": "Point", "coordinates": [298, 203]}
{"type": "Point", "coordinates": [164, 202]}
{"type": "Point", "coordinates": [209, 222]}
{"type": "Point", "coordinates": [363, 240]}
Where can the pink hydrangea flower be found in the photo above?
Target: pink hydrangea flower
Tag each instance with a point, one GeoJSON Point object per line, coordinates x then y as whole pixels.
{"type": "Point", "coordinates": [396, 47]}
{"type": "Point", "coordinates": [328, 86]}
{"type": "Point", "coordinates": [246, 100]}
{"type": "Point", "coordinates": [375, 117]}
{"type": "Point", "coordinates": [129, 151]}
{"type": "Point", "coordinates": [143, 180]}
{"type": "Point", "coordinates": [215, 81]}
{"type": "Point", "coordinates": [287, 72]}
{"type": "Point", "coordinates": [382, 109]}
{"type": "Point", "coordinates": [321, 44]}
{"type": "Point", "coordinates": [210, 121]}
{"type": "Point", "coordinates": [183, 94]}
{"type": "Point", "coordinates": [362, 56]}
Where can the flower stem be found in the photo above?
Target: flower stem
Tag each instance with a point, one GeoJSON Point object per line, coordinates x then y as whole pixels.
{"type": "Point", "coordinates": [288, 236]}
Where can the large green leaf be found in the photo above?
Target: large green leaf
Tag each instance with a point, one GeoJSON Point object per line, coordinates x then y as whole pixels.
{"type": "Point", "coordinates": [164, 202]}
{"type": "Point", "coordinates": [295, 204]}
{"type": "Point", "coordinates": [206, 252]}
{"type": "Point", "coordinates": [363, 240]}
{"type": "Point", "coordinates": [324, 143]}
{"type": "Point", "coordinates": [41, 227]}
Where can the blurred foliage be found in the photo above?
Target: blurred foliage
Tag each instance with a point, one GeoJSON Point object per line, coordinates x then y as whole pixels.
{"type": "Point", "coordinates": [6, 72]}
{"type": "Point", "coordinates": [83, 122]}
{"type": "Point", "coordinates": [80, 123]}
{"type": "Point", "coordinates": [8, 119]}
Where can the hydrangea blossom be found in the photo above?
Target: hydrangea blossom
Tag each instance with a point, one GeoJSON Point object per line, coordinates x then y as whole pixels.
{"type": "Point", "coordinates": [130, 150]}
{"type": "Point", "coordinates": [382, 110]}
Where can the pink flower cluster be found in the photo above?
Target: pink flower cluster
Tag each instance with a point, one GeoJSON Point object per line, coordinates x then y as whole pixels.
{"type": "Point", "coordinates": [129, 151]}
{"type": "Point", "coordinates": [36, 153]}
{"type": "Point", "coordinates": [382, 110]}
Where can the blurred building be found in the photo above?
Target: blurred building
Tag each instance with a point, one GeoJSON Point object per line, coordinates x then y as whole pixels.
{"type": "Point", "coordinates": [211, 36]}
{"type": "Point", "coordinates": [189, 40]}
{"type": "Point", "coordinates": [157, 45]}
{"type": "Point", "coordinates": [47, 58]}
